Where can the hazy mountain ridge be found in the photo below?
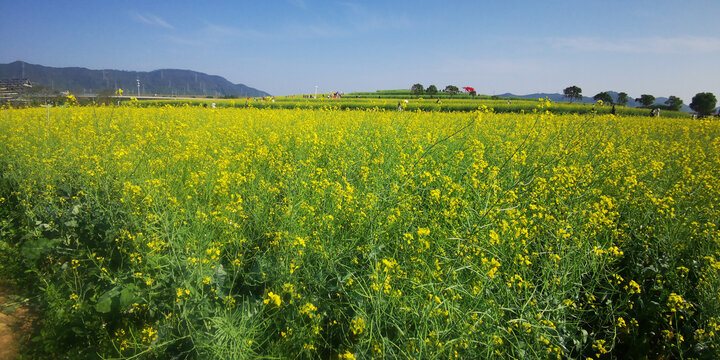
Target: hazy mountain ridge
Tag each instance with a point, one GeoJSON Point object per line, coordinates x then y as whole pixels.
{"type": "Point", "coordinates": [165, 81]}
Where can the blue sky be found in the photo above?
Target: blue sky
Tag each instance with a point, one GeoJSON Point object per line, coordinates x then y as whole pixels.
{"type": "Point", "coordinates": [658, 47]}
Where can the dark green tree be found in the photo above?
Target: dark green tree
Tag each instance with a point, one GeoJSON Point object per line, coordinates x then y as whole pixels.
{"type": "Point", "coordinates": [622, 99]}
{"type": "Point", "coordinates": [473, 93]}
{"type": "Point", "coordinates": [431, 90]}
{"type": "Point", "coordinates": [573, 92]}
{"type": "Point", "coordinates": [646, 99]}
{"type": "Point", "coordinates": [674, 103]}
{"type": "Point", "coordinates": [417, 89]}
{"type": "Point", "coordinates": [703, 103]}
{"type": "Point", "coordinates": [604, 96]}
{"type": "Point", "coordinates": [452, 89]}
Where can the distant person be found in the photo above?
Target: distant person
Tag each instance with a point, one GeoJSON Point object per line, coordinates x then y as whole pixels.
{"type": "Point", "coordinates": [399, 106]}
{"type": "Point", "coordinates": [613, 110]}
{"type": "Point", "coordinates": [657, 112]}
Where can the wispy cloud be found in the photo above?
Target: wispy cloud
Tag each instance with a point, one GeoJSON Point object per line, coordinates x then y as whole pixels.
{"type": "Point", "coordinates": [487, 66]}
{"type": "Point", "coordinates": [647, 45]}
{"type": "Point", "coordinates": [364, 20]}
{"type": "Point", "coordinates": [349, 19]}
{"type": "Point", "coordinates": [298, 3]}
{"type": "Point", "coordinates": [222, 31]}
{"type": "Point", "coordinates": [152, 20]}
{"type": "Point", "coordinates": [212, 34]}
{"type": "Point", "coordinates": [319, 31]}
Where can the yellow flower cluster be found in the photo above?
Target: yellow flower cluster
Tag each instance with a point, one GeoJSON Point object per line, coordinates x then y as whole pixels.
{"type": "Point", "coordinates": [396, 234]}
{"type": "Point", "coordinates": [357, 326]}
{"type": "Point", "coordinates": [273, 299]}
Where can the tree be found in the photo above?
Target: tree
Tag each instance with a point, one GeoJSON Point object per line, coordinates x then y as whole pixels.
{"type": "Point", "coordinates": [573, 92]}
{"type": "Point", "coordinates": [417, 89]}
{"type": "Point", "coordinates": [431, 90]}
{"type": "Point", "coordinates": [703, 103]}
{"type": "Point", "coordinates": [646, 99]}
{"type": "Point", "coordinates": [604, 97]}
{"type": "Point", "coordinates": [674, 103]}
{"type": "Point", "coordinates": [452, 89]}
{"type": "Point", "coordinates": [105, 96]}
{"type": "Point", "coordinates": [473, 93]}
{"type": "Point", "coordinates": [622, 99]}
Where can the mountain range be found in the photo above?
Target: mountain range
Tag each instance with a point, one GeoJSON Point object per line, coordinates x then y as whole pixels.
{"type": "Point", "coordinates": [586, 99]}
{"type": "Point", "coordinates": [83, 81]}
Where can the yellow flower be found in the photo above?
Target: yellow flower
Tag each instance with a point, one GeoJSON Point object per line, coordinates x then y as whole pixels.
{"type": "Point", "coordinates": [149, 334]}
{"type": "Point", "coordinates": [497, 341]}
{"type": "Point", "coordinates": [346, 355]}
{"type": "Point", "coordinates": [357, 326]}
{"type": "Point", "coordinates": [273, 299]}
{"type": "Point", "coordinates": [621, 322]}
{"type": "Point", "coordinates": [308, 309]}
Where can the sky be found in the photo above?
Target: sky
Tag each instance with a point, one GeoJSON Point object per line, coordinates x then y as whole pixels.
{"type": "Point", "coordinates": [658, 47]}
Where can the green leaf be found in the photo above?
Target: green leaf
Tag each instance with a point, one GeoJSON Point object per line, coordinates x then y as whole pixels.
{"type": "Point", "coordinates": [220, 274]}
{"type": "Point", "coordinates": [35, 249]}
{"type": "Point", "coordinates": [104, 305]}
{"type": "Point", "coordinates": [127, 295]}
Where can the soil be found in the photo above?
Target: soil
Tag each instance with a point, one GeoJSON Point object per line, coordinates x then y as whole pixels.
{"type": "Point", "coordinates": [16, 321]}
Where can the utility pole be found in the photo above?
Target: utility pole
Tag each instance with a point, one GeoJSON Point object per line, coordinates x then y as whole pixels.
{"type": "Point", "coordinates": [138, 85]}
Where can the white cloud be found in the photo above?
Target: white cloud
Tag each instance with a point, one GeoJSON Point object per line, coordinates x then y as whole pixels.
{"type": "Point", "coordinates": [152, 20]}
{"type": "Point", "coordinates": [646, 45]}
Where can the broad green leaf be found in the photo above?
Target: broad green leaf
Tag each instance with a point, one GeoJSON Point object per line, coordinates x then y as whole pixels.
{"type": "Point", "coordinates": [127, 295]}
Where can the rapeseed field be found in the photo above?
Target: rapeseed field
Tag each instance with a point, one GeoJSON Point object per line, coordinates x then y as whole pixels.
{"type": "Point", "coordinates": [182, 232]}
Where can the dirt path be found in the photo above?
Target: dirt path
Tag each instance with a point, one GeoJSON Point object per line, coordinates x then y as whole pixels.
{"type": "Point", "coordinates": [15, 323]}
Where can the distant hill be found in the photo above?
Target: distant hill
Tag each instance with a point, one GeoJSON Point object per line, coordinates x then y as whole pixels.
{"type": "Point", "coordinates": [166, 81]}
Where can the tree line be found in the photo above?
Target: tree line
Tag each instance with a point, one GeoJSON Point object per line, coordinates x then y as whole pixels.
{"type": "Point", "coordinates": [432, 90]}
{"type": "Point", "coordinates": [702, 103]}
